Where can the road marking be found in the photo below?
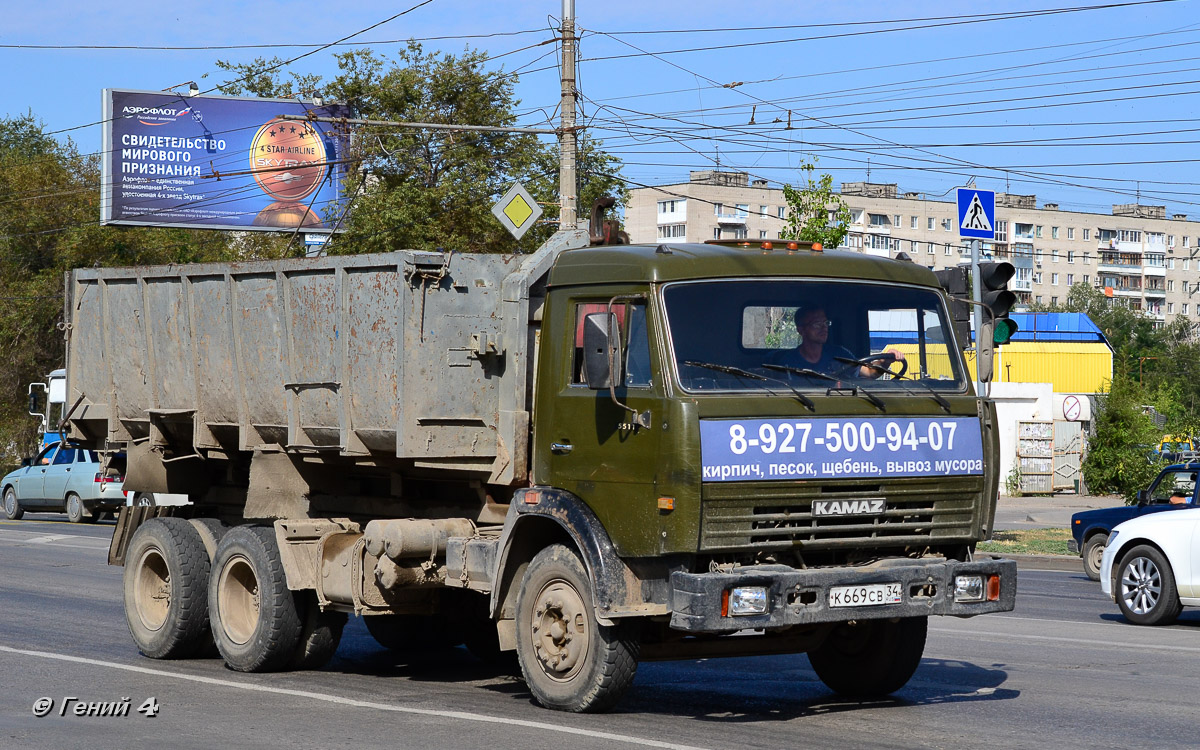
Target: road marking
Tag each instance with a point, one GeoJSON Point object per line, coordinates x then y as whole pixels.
{"type": "Point", "coordinates": [463, 715]}
{"type": "Point", "coordinates": [14, 536]}
{"type": "Point", "coordinates": [1136, 646]}
{"type": "Point", "coordinates": [52, 538]}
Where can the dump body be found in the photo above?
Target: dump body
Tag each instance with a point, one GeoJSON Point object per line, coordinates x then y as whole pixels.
{"type": "Point", "coordinates": [422, 357]}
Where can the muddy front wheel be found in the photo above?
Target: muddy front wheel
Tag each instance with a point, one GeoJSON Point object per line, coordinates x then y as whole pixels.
{"type": "Point", "coordinates": [570, 662]}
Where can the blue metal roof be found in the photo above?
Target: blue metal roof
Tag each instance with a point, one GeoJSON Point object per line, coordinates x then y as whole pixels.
{"type": "Point", "coordinates": [1054, 326]}
{"type": "Point", "coordinates": [1041, 326]}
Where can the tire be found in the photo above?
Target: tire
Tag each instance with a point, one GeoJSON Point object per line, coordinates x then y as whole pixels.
{"type": "Point", "coordinates": [12, 507]}
{"type": "Point", "coordinates": [1093, 553]}
{"type": "Point", "coordinates": [871, 657]}
{"type": "Point", "coordinates": [256, 619]}
{"type": "Point", "coordinates": [570, 662]}
{"type": "Point", "coordinates": [320, 635]}
{"type": "Point", "coordinates": [210, 530]}
{"type": "Point", "coordinates": [166, 589]}
{"type": "Point", "coordinates": [76, 513]}
{"type": "Point", "coordinates": [1145, 587]}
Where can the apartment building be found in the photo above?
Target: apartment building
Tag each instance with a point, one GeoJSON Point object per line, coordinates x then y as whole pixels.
{"type": "Point", "coordinates": [1137, 255]}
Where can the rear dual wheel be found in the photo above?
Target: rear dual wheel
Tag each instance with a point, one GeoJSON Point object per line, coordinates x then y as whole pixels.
{"type": "Point", "coordinates": [165, 589]}
{"type": "Point", "coordinates": [260, 625]}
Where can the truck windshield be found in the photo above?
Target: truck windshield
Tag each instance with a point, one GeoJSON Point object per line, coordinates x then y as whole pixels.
{"type": "Point", "coordinates": [768, 334]}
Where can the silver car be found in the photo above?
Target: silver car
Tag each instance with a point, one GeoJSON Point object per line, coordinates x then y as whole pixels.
{"type": "Point", "coordinates": [62, 478]}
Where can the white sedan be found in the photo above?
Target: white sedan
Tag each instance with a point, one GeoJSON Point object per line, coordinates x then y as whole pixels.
{"type": "Point", "coordinates": [1151, 566]}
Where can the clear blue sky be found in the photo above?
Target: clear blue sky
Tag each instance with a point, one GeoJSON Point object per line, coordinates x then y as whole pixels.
{"type": "Point", "coordinates": [1077, 107]}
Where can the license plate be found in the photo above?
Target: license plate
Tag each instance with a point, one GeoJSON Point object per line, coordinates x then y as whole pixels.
{"type": "Point", "coordinates": [865, 596]}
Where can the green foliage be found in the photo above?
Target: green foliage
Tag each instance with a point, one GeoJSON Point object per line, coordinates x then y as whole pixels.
{"type": "Point", "coordinates": [431, 189]}
{"type": "Point", "coordinates": [49, 224]}
{"type": "Point", "coordinates": [1118, 458]}
{"type": "Point", "coordinates": [1012, 482]}
{"type": "Point", "coordinates": [815, 213]}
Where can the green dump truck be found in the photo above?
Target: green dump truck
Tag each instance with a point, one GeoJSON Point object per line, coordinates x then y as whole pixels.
{"type": "Point", "coordinates": [591, 455]}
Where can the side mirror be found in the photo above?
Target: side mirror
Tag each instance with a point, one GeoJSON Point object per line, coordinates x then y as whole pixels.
{"type": "Point", "coordinates": [603, 359]}
{"type": "Point", "coordinates": [33, 403]}
{"type": "Point", "coordinates": [26, 462]}
{"type": "Point", "coordinates": [1143, 497]}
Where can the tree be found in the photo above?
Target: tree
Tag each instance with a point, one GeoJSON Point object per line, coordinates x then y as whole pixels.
{"type": "Point", "coordinates": [49, 224]}
{"type": "Point", "coordinates": [1118, 458]}
{"type": "Point", "coordinates": [428, 188]}
{"type": "Point", "coordinates": [815, 213]}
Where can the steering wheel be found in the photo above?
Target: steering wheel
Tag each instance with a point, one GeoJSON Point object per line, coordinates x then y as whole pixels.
{"type": "Point", "coordinates": [879, 362]}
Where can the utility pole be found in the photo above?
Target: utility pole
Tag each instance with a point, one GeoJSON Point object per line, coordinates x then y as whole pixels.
{"type": "Point", "coordinates": [567, 143]}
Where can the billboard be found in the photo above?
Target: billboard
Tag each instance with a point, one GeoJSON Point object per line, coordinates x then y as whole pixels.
{"type": "Point", "coordinates": [220, 162]}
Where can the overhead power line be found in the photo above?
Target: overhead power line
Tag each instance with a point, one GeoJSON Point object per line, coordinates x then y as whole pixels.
{"type": "Point", "coordinates": [962, 22]}
{"type": "Point", "coordinates": [278, 45]}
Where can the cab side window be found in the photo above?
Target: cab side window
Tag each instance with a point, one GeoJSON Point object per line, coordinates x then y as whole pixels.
{"type": "Point", "coordinates": [636, 344]}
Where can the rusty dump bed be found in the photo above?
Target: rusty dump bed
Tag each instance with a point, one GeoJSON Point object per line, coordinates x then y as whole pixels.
{"type": "Point", "coordinates": [421, 356]}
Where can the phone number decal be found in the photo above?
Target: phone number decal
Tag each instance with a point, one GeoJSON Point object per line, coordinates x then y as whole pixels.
{"type": "Point", "coordinates": [755, 449]}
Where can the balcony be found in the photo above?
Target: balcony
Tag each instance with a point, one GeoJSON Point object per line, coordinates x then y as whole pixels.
{"type": "Point", "coordinates": [734, 219]}
{"type": "Point", "coordinates": [1154, 291]}
{"type": "Point", "coordinates": [1021, 285]}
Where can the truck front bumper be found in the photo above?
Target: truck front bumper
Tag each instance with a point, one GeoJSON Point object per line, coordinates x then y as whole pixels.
{"type": "Point", "coordinates": [802, 597]}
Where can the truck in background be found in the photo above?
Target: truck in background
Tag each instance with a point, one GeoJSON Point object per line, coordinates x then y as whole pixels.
{"type": "Point", "coordinates": [590, 455]}
{"type": "Point", "coordinates": [54, 394]}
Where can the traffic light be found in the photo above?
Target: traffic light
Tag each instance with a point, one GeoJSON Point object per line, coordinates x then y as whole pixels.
{"type": "Point", "coordinates": [954, 281]}
{"type": "Point", "coordinates": [993, 282]}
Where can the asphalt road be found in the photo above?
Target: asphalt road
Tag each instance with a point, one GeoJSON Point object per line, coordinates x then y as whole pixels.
{"type": "Point", "coordinates": [1063, 670]}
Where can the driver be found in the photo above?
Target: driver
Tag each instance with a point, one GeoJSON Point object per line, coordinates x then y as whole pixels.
{"type": "Point", "coordinates": [812, 325]}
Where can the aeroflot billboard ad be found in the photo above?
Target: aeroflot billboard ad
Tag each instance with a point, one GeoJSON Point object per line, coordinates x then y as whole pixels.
{"type": "Point", "coordinates": [220, 162]}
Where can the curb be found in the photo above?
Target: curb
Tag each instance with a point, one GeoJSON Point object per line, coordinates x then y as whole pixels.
{"type": "Point", "coordinates": [1067, 563]}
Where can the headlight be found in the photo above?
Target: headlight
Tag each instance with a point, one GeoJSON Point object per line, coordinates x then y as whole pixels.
{"type": "Point", "coordinates": [1112, 537]}
{"type": "Point", "coordinates": [968, 588]}
{"type": "Point", "coordinates": [747, 600]}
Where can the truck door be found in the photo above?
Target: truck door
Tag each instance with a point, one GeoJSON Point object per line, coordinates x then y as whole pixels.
{"type": "Point", "coordinates": [590, 444]}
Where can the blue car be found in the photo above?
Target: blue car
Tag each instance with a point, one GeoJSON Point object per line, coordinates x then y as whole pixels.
{"type": "Point", "coordinates": [1173, 489]}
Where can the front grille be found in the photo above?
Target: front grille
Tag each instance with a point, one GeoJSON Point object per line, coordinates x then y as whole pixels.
{"type": "Point", "coordinates": [741, 515]}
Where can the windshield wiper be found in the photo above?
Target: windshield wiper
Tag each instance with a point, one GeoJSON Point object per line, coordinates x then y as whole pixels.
{"type": "Point", "coordinates": [801, 371]}
{"type": "Point", "coordinates": [854, 390]}
{"type": "Point", "coordinates": [900, 381]}
{"type": "Point", "coordinates": [932, 394]}
{"type": "Point", "coordinates": [730, 369]}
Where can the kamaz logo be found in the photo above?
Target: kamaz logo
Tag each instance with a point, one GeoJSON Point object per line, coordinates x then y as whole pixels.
{"type": "Point", "coordinates": [848, 507]}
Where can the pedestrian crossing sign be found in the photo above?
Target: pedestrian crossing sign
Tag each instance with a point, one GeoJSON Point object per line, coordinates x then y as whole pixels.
{"type": "Point", "coordinates": [976, 214]}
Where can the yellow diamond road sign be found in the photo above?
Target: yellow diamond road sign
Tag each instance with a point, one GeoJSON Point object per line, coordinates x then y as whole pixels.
{"type": "Point", "coordinates": [517, 210]}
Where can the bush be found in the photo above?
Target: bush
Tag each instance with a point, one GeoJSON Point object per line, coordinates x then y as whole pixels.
{"type": "Point", "coordinates": [1117, 460]}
